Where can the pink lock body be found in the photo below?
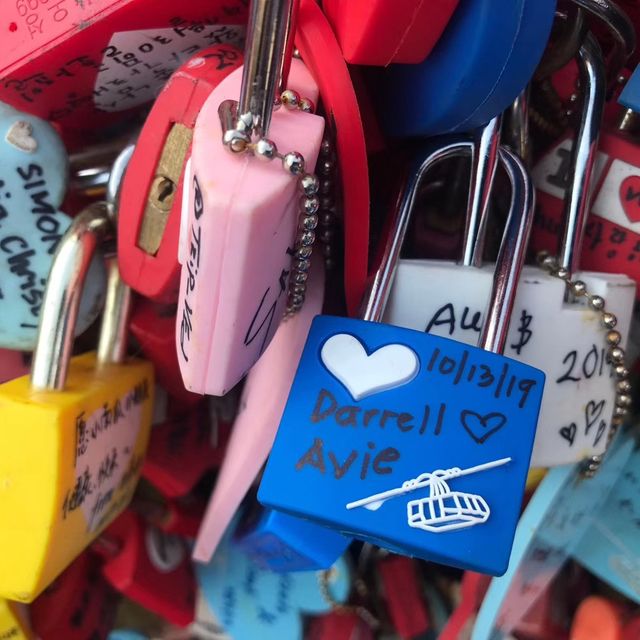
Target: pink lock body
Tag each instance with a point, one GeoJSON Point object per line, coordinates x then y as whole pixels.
{"type": "Point", "coordinates": [237, 241]}
{"type": "Point", "coordinates": [261, 407]}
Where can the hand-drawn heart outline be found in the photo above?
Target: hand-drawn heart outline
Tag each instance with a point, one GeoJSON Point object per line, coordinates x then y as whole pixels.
{"type": "Point", "coordinates": [20, 135]}
{"type": "Point", "coordinates": [602, 427]}
{"type": "Point", "coordinates": [629, 192]}
{"type": "Point", "coordinates": [483, 420]}
{"type": "Point", "coordinates": [364, 374]}
{"type": "Point", "coordinates": [569, 433]}
{"type": "Point", "coordinates": [594, 410]}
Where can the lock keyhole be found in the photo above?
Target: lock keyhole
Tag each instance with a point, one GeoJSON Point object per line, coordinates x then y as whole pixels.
{"type": "Point", "coordinates": [163, 191]}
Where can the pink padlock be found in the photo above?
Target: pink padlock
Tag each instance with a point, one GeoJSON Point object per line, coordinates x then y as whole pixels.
{"type": "Point", "coordinates": [261, 407]}
{"type": "Point", "coordinates": [240, 238]}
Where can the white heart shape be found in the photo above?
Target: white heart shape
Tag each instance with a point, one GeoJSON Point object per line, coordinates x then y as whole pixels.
{"type": "Point", "coordinates": [363, 375]}
{"type": "Point", "coordinates": [20, 136]}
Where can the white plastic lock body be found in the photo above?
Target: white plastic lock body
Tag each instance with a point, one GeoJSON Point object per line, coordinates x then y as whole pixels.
{"type": "Point", "coordinates": [238, 232]}
{"type": "Point", "coordinates": [565, 340]}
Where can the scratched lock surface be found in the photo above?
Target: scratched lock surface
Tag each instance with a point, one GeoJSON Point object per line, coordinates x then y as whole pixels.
{"type": "Point", "coordinates": [33, 177]}
{"type": "Point", "coordinates": [373, 407]}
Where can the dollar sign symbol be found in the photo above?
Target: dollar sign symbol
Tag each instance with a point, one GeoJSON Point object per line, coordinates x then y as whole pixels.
{"type": "Point", "coordinates": [524, 331]}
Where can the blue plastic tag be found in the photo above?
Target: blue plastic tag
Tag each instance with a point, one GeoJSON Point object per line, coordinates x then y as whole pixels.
{"type": "Point", "coordinates": [630, 94]}
{"type": "Point", "coordinates": [33, 174]}
{"type": "Point", "coordinates": [610, 546]}
{"type": "Point", "coordinates": [416, 443]}
{"type": "Point", "coordinates": [284, 543]}
{"type": "Point", "coordinates": [253, 603]}
{"type": "Point", "coordinates": [562, 509]}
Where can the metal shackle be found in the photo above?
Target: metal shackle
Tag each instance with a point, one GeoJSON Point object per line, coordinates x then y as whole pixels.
{"type": "Point", "coordinates": [510, 258]}
{"type": "Point", "coordinates": [267, 58]}
{"type": "Point", "coordinates": [88, 231]}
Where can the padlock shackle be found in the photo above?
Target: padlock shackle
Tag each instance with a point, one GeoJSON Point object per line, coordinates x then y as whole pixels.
{"type": "Point", "coordinates": [622, 31]}
{"type": "Point", "coordinates": [510, 258]}
{"type": "Point", "coordinates": [484, 161]}
{"type": "Point", "coordinates": [511, 255]}
{"type": "Point", "coordinates": [268, 44]}
{"type": "Point", "coordinates": [62, 296]}
{"type": "Point", "coordinates": [583, 153]}
{"type": "Point", "coordinates": [112, 343]}
{"type": "Point", "coordinates": [90, 169]}
{"type": "Point", "coordinates": [379, 287]}
{"type": "Point", "coordinates": [116, 178]}
{"type": "Point", "coordinates": [114, 330]}
{"type": "Point", "coordinates": [515, 129]}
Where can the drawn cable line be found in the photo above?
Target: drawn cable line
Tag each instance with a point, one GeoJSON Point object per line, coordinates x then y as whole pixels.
{"type": "Point", "coordinates": [444, 510]}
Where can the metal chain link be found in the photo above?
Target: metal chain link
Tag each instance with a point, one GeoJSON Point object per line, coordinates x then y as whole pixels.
{"type": "Point", "coordinates": [615, 353]}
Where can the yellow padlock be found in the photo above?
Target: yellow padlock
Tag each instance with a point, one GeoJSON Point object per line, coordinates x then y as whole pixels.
{"type": "Point", "coordinates": [12, 626]}
{"type": "Point", "coordinates": [73, 435]}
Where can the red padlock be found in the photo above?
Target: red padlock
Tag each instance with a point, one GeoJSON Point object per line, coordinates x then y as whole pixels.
{"type": "Point", "coordinates": [150, 567]}
{"type": "Point", "coordinates": [339, 625]}
{"type": "Point", "coordinates": [379, 32]}
{"type": "Point", "coordinates": [612, 236]}
{"type": "Point", "coordinates": [473, 589]}
{"type": "Point", "coordinates": [153, 326]}
{"type": "Point", "coordinates": [403, 596]}
{"type": "Point", "coordinates": [183, 449]}
{"type": "Point", "coordinates": [83, 63]}
{"type": "Point", "coordinates": [151, 197]}
{"type": "Point", "coordinates": [78, 605]}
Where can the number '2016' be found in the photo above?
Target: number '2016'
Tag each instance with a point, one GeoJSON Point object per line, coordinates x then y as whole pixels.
{"type": "Point", "coordinates": [594, 362]}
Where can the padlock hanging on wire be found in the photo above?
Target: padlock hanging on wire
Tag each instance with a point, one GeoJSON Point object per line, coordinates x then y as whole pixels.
{"type": "Point", "coordinates": [412, 442]}
{"type": "Point", "coordinates": [250, 211]}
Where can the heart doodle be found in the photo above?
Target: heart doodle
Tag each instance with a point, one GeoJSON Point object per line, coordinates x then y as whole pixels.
{"type": "Point", "coordinates": [364, 374]}
{"type": "Point", "coordinates": [569, 433]}
{"type": "Point", "coordinates": [480, 428]}
{"type": "Point", "coordinates": [602, 427]}
{"type": "Point", "coordinates": [629, 190]}
{"type": "Point", "coordinates": [20, 136]}
{"type": "Point", "coordinates": [592, 412]}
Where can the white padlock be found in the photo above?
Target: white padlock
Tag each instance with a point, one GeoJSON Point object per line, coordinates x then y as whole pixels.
{"type": "Point", "coordinates": [563, 337]}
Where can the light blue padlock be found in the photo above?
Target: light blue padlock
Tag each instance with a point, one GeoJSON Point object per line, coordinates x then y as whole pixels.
{"type": "Point", "coordinates": [562, 509]}
{"type": "Point", "coordinates": [253, 603]}
{"type": "Point", "coordinates": [283, 543]}
{"type": "Point", "coordinates": [33, 174]}
{"type": "Point", "coordinates": [610, 547]}
{"type": "Point", "coordinates": [409, 441]}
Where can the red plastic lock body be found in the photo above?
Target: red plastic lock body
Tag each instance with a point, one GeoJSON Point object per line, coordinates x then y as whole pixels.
{"type": "Point", "coordinates": [339, 625]}
{"type": "Point", "coordinates": [379, 32]}
{"type": "Point", "coordinates": [153, 326]}
{"type": "Point", "coordinates": [151, 568]}
{"type": "Point", "coordinates": [404, 597]}
{"type": "Point", "coordinates": [612, 236]}
{"type": "Point", "coordinates": [12, 364]}
{"type": "Point", "coordinates": [183, 449]}
{"type": "Point", "coordinates": [151, 197]}
{"type": "Point", "coordinates": [78, 605]}
{"type": "Point", "coordinates": [83, 63]}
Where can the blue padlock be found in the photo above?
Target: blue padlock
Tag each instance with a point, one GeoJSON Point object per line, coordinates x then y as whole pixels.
{"type": "Point", "coordinates": [483, 61]}
{"type": "Point", "coordinates": [413, 442]}
{"type": "Point", "coordinates": [562, 509]}
{"type": "Point", "coordinates": [33, 174]}
{"type": "Point", "coordinates": [251, 602]}
{"type": "Point", "coordinates": [609, 548]}
{"type": "Point", "coordinates": [283, 543]}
